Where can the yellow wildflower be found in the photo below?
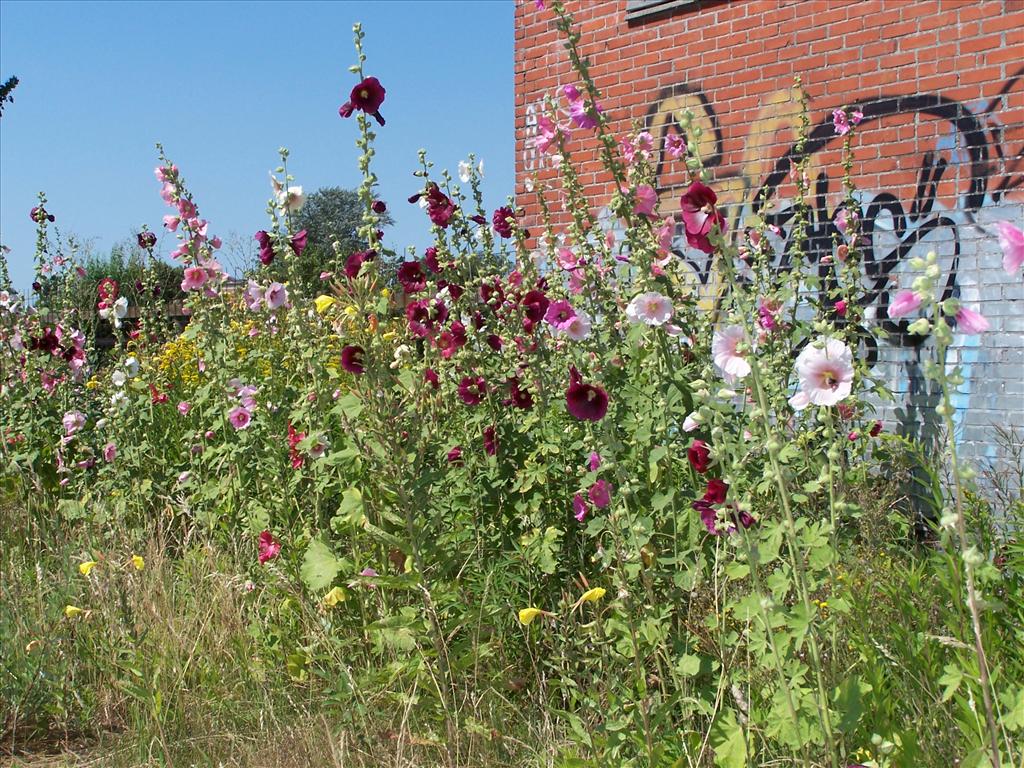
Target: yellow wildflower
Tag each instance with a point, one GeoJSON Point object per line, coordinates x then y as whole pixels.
{"type": "Point", "coordinates": [351, 311]}
{"type": "Point", "coordinates": [324, 302]}
{"type": "Point", "coordinates": [92, 383]}
{"type": "Point", "coordinates": [335, 596]}
{"type": "Point", "coordinates": [71, 611]}
{"type": "Point", "coordinates": [527, 615]}
{"type": "Point", "coordinates": [138, 562]}
{"type": "Point", "coordinates": [86, 568]}
{"type": "Point", "coordinates": [591, 595]}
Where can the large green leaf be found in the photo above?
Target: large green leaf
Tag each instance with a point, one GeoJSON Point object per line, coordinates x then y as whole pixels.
{"type": "Point", "coordinates": [319, 566]}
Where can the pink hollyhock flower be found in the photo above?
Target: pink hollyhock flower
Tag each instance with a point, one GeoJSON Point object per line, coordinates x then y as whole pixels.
{"type": "Point", "coordinates": [579, 507]}
{"type": "Point", "coordinates": [450, 341]}
{"type": "Point", "coordinates": [699, 456]}
{"type": "Point", "coordinates": [455, 455]}
{"type": "Point", "coordinates": [171, 222]}
{"type": "Point", "coordinates": [440, 207]}
{"type": "Point", "coordinates": [700, 216]}
{"type": "Point", "coordinates": [675, 145]}
{"type": "Point", "coordinates": [1011, 240]}
{"type": "Point", "coordinates": [502, 220]}
{"type": "Point", "coordinates": [725, 351]}
{"type": "Point", "coordinates": [646, 199]}
{"type": "Point", "coordinates": [253, 295]}
{"type": "Point", "coordinates": [650, 308]}
{"type": "Point", "coordinates": [184, 407]}
{"type": "Point", "coordinates": [109, 452]}
{"type": "Point", "coordinates": [559, 314]}
{"type": "Point", "coordinates": [73, 421]}
{"type": "Point", "coordinates": [411, 276]}
{"type": "Point", "coordinates": [547, 133]}
{"type": "Point", "coordinates": [903, 303]}
{"type": "Point", "coordinates": [294, 438]}
{"type": "Point", "coordinates": [600, 494]}
{"type": "Point", "coordinates": [839, 122]}
{"type": "Point", "coordinates": [352, 359]}
{"type": "Point", "coordinates": [269, 547]}
{"type": "Point", "coordinates": [578, 328]}
{"type": "Point", "coordinates": [970, 322]}
{"type": "Point", "coordinates": [666, 233]}
{"type": "Point", "coordinates": [586, 402]}
{"type": "Point", "coordinates": [594, 461]}
{"type": "Point", "coordinates": [844, 220]}
{"type": "Point", "coordinates": [299, 240]}
{"type": "Point", "coordinates": [195, 278]}
{"type": "Point", "coordinates": [840, 307]}
{"type": "Point", "coordinates": [567, 259]}
{"type": "Point", "coordinates": [825, 372]}
{"type": "Point", "coordinates": [276, 296]}
{"type": "Point", "coordinates": [430, 376]}
{"type": "Point", "coordinates": [240, 417]}
{"type": "Point", "coordinates": [472, 390]}
{"type": "Point", "coordinates": [490, 441]}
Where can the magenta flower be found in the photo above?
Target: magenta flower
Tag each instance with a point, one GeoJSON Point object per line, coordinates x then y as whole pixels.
{"type": "Point", "coordinates": [970, 322]}
{"type": "Point", "coordinates": [700, 216]}
{"type": "Point", "coordinates": [585, 401]}
{"type": "Point", "coordinates": [579, 507]}
{"type": "Point", "coordinates": [840, 307]}
{"type": "Point", "coordinates": [430, 376]}
{"type": "Point", "coordinates": [240, 417]}
{"type": "Point", "coordinates": [646, 199]}
{"type": "Point", "coordinates": [195, 278]}
{"type": "Point", "coordinates": [430, 259]}
{"type": "Point", "coordinates": [559, 314]}
{"type": "Point", "coordinates": [355, 262]}
{"type": "Point", "coordinates": [699, 456]}
{"type": "Point", "coordinates": [490, 441]}
{"type": "Point", "coordinates": [535, 304]}
{"type": "Point", "coordinates": [472, 390]}
{"type": "Point", "coordinates": [594, 461]}
{"type": "Point", "coordinates": [352, 359]}
{"type": "Point", "coordinates": [411, 276]}
{"type": "Point", "coordinates": [600, 494]}
{"type": "Point", "coordinates": [903, 303]}
{"type": "Point", "coordinates": [269, 547]}
{"type": "Point", "coordinates": [440, 207]}
{"type": "Point", "coordinates": [455, 455]}
{"type": "Point", "coordinates": [448, 342]}
{"type": "Point", "coordinates": [675, 145]}
{"type": "Point", "coordinates": [367, 97]}
{"type": "Point", "coordinates": [1011, 240]}
{"type": "Point", "coordinates": [716, 491]}
{"type": "Point", "coordinates": [39, 215]}
{"type": "Point", "coordinates": [266, 248]}
{"type": "Point", "coordinates": [517, 396]}
{"type": "Point", "coordinates": [503, 220]}
{"type": "Point", "coordinates": [184, 407]}
{"type": "Point", "coordinates": [424, 316]}
{"type": "Point", "coordinates": [299, 240]}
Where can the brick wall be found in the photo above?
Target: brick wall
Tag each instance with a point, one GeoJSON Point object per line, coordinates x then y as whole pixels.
{"type": "Point", "coordinates": [939, 156]}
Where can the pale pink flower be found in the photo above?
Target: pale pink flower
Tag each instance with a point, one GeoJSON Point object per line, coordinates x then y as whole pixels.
{"type": "Point", "coordinates": [675, 145]}
{"type": "Point", "coordinates": [240, 417]}
{"type": "Point", "coordinates": [109, 452]}
{"type": "Point", "coordinates": [970, 322]}
{"type": "Point", "coordinates": [567, 259]}
{"type": "Point", "coordinates": [1011, 240]}
{"type": "Point", "coordinates": [276, 295]}
{"type": "Point", "coordinates": [253, 295]}
{"type": "Point", "coordinates": [646, 199]}
{"type": "Point", "coordinates": [171, 222]}
{"type": "Point", "coordinates": [195, 278]}
{"type": "Point", "coordinates": [726, 353]}
{"type": "Point", "coordinates": [73, 421]}
{"type": "Point", "coordinates": [666, 233]}
{"type": "Point", "coordinates": [184, 407]}
{"type": "Point", "coordinates": [578, 328]}
{"type": "Point", "coordinates": [650, 308]}
{"type": "Point", "coordinates": [825, 371]}
{"type": "Point", "coordinates": [903, 303]}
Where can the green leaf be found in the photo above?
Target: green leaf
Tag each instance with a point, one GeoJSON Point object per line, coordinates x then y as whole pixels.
{"type": "Point", "coordinates": [652, 462]}
{"type": "Point", "coordinates": [319, 566]}
{"type": "Point", "coordinates": [1013, 710]}
{"type": "Point", "coordinates": [349, 406]}
{"type": "Point", "coordinates": [688, 665]}
{"type": "Point", "coordinates": [848, 700]}
{"type": "Point", "coordinates": [727, 739]}
{"type": "Point", "coordinates": [951, 679]}
{"type": "Point", "coordinates": [351, 507]}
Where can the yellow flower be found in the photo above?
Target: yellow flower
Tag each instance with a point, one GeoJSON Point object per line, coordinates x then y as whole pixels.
{"type": "Point", "coordinates": [385, 292]}
{"type": "Point", "coordinates": [91, 384]}
{"type": "Point", "coordinates": [591, 595]}
{"type": "Point", "coordinates": [71, 611]}
{"type": "Point", "coordinates": [324, 302]}
{"type": "Point", "coordinates": [527, 615]}
{"type": "Point", "coordinates": [138, 562]}
{"type": "Point", "coordinates": [86, 568]}
{"type": "Point", "coordinates": [389, 335]}
{"type": "Point", "coordinates": [351, 311]}
{"type": "Point", "coordinates": [335, 596]}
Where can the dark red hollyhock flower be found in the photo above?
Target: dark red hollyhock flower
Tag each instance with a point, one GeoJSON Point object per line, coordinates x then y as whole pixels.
{"type": "Point", "coordinates": [490, 441]}
{"type": "Point", "coordinates": [699, 455]}
{"type": "Point", "coordinates": [430, 259]}
{"type": "Point", "coordinates": [423, 316]}
{"type": "Point", "coordinates": [716, 491]}
{"type": "Point", "coordinates": [355, 262]}
{"type": "Point", "coordinates": [430, 376]}
{"type": "Point", "coordinates": [379, 206]}
{"type": "Point", "coordinates": [517, 396]}
{"type": "Point", "coordinates": [367, 97]}
{"type": "Point", "coordinates": [346, 109]}
{"type": "Point", "coordinates": [448, 342]}
{"type": "Point", "coordinates": [352, 358]}
{"type": "Point", "coordinates": [294, 438]}
{"type": "Point", "coordinates": [156, 396]}
{"type": "Point", "coordinates": [876, 429]}
{"type": "Point", "coordinates": [503, 220]}
{"type": "Point", "coordinates": [535, 305]}
{"type": "Point", "coordinates": [478, 321]}
{"type": "Point", "coordinates": [455, 455]}
{"type": "Point", "coordinates": [48, 342]}
{"type": "Point", "coordinates": [138, 286]}
{"type": "Point", "coordinates": [107, 289]}
{"type": "Point", "coordinates": [478, 219]}
{"type": "Point", "coordinates": [700, 215]}
{"type": "Point", "coordinates": [472, 390]}
{"type": "Point", "coordinates": [299, 240]}
{"type": "Point", "coordinates": [411, 276]}
{"type": "Point", "coordinates": [440, 207]}
{"type": "Point", "coordinates": [266, 248]}
{"type": "Point", "coordinates": [492, 294]}
{"type": "Point", "coordinates": [494, 342]}
{"type": "Point", "coordinates": [454, 290]}
{"type": "Point", "coordinates": [37, 286]}
{"type": "Point", "coordinates": [39, 215]}
{"type": "Point", "coordinates": [146, 239]}
{"type": "Point", "coordinates": [585, 401]}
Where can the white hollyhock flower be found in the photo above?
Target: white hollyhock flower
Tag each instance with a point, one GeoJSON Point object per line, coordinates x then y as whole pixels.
{"type": "Point", "coordinates": [825, 371]}
{"type": "Point", "coordinates": [465, 171]}
{"type": "Point", "coordinates": [725, 350]}
{"type": "Point", "coordinates": [650, 308]}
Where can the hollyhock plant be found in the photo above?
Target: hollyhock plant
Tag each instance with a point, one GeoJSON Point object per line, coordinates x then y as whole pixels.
{"type": "Point", "coordinates": [195, 278]}
{"type": "Point", "coordinates": [440, 208]}
{"type": "Point", "coordinates": [411, 276]}
{"type": "Point", "coordinates": [1011, 241]}
{"type": "Point", "coordinates": [240, 417]}
{"type": "Point", "coordinates": [276, 296]}
{"type": "Point", "coordinates": [547, 134]}
{"type": "Point", "coordinates": [971, 322]}
{"type": "Point", "coordinates": [367, 96]}
{"type": "Point", "coordinates": [454, 456]}
{"type": "Point", "coordinates": [352, 359]}
{"type": "Point", "coordinates": [268, 547]}
{"type": "Point", "coordinates": [586, 402]}
{"type": "Point", "coordinates": [730, 360]}
{"type": "Point", "coordinates": [503, 220]}
{"type": "Point", "coordinates": [600, 494]}
{"type": "Point", "coordinates": [559, 314]}
{"type": "Point", "coordinates": [472, 390]}
{"type": "Point", "coordinates": [699, 456]}
{"type": "Point", "coordinates": [650, 308]}
{"type": "Point", "coordinates": [903, 303]}
{"type": "Point", "coordinates": [700, 216]}
{"type": "Point", "coordinates": [825, 371]}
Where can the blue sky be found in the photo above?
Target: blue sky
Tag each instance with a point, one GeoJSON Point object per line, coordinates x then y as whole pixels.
{"type": "Point", "coordinates": [222, 85]}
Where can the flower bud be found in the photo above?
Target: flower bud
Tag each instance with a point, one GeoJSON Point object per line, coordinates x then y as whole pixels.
{"type": "Point", "coordinates": [920, 327]}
